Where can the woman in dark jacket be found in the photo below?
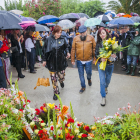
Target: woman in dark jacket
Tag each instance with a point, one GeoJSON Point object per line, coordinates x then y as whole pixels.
{"type": "Point", "coordinates": [16, 42]}
{"type": "Point", "coordinates": [104, 75]}
{"type": "Point", "coordinates": [54, 57]}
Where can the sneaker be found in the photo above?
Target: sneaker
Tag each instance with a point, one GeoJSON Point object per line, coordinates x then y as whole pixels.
{"type": "Point", "coordinates": [106, 90]}
{"type": "Point", "coordinates": [62, 85]}
{"type": "Point", "coordinates": [89, 82]}
{"type": "Point", "coordinates": [103, 101]}
{"type": "Point", "coordinates": [55, 97]}
{"type": "Point", "coordinates": [82, 90]}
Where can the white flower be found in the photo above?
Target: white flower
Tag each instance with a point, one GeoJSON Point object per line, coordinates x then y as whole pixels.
{"type": "Point", "coordinates": [115, 45]}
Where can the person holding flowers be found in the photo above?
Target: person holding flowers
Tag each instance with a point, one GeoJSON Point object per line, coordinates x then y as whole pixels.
{"type": "Point", "coordinates": [105, 53]}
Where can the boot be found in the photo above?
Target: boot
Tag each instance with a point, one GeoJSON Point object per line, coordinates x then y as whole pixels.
{"type": "Point", "coordinates": [62, 84]}
{"type": "Point", "coordinates": [128, 69]}
{"type": "Point", "coordinates": [55, 97]}
{"type": "Point", "coordinates": [103, 103]}
{"type": "Point", "coordinates": [133, 72]}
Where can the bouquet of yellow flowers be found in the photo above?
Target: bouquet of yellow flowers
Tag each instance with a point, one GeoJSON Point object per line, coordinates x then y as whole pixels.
{"type": "Point", "coordinates": [110, 46]}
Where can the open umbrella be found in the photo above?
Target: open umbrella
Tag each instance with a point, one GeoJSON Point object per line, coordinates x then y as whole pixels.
{"type": "Point", "coordinates": [9, 21]}
{"type": "Point", "coordinates": [19, 12]}
{"type": "Point", "coordinates": [127, 16]}
{"type": "Point", "coordinates": [50, 24]}
{"type": "Point", "coordinates": [98, 13]}
{"type": "Point", "coordinates": [82, 15]}
{"type": "Point", "coordinates": [47, 19]}
{"type": "Point", "coordinates": [66, 24]}
{"type": "Point", "coordinates": [92, 22]}
{"type": "Point", "coordinates": [111, 13]}
{"type": "Point", "coordinates": [27, 19]}
{"type": "Point", "coordinates": [136, 19]}
{"type": "Point", "coordinates": [120, 14]}
{"type": "Point", "coordinates": [122, 21]}
{"type": "Point", "coordinates": [25, 24]}
{"type": "Point", "coordinates": [80, 21]}
{"type": "Point", "coordinates": [71, 16]}
{"type": "Point", "coordinates": [134, 14]}
{"type": "Point", "coordinates": [104, 18]}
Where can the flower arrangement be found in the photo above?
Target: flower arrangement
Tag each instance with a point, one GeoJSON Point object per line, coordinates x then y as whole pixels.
{"type": "Point", "coordinates": [110, 46]}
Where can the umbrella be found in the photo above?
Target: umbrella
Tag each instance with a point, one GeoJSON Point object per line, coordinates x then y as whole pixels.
{"type": "Point", "coordinates": [25, 24]}
{"type": "Point", "coordinates": [43, 82]}
{"type": "Point", "coordinates": [80, 21]}
{"type": "Point", "coordinates": [120, 14]}
{"type": "Point", "coordinates": [9, 21]}
{"type": "Point", "coordinates": [122, 21]}
{"type": "Point", "coordinates": [92, 22]}
{"type": "Point", "coordinates": [102, 24]}
{"type": "Point", "coordinates": [47, 19]}
{"type": "Point", "coordinates": [82, 15]}
{"type": "Point", "coordinates": [104, 18]}
{"type": "Point", "coordinates": [71, 16]}
{"type": "Point", "coordinates": [136, 19]}
{"type": "Point", "coordinates": [134, 14]}
{"type": "Point", "coordinates": [27, 19]}
{"type": "Point", "coordinates": [98, 13]}
{"type": "Point", "coordinates": [37, 27]}
{"type": "Point", "coordinates": [110, 13]}
{"type": "Point", "coordinates": [50, 24]}
{"type": "Point", "coordinates": [66, 24]}
{"type": "Point", "coordinates": [18, 12]}
{"type": "Point", "coordinates": [127, 15]}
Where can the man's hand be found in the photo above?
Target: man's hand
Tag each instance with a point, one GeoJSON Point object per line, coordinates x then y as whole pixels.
{"type": "Point", "coordinates": [103, 59]}
{"type": "Point", "coordinates": [113, 55]}
{"type": "Point", "coordinates": [44, 63]}
{"type": "Point", "coordinates": [68, 55]}
{"type": "Point", "coordinates": [73, 63]}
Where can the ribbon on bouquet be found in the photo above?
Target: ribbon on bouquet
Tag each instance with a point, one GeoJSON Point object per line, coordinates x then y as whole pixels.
{"type": "Point", "coordinates": [63, 113]}
{"type": "Point", "coordinates": [103, 64]}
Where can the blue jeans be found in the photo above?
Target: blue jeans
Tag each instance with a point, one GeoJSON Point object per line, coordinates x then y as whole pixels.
{"type": "Point", "coordinates": [129, 59]}
{"type": "Point", "coordinates": [105, 78]}
{"type": "Point", "coordinates": [88, 68]}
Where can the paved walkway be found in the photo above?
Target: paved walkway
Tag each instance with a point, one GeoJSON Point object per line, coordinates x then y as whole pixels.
{"type": "Point", "coordinates": [122, 89]}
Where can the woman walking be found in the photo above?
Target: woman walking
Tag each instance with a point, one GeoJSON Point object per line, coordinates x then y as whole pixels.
{"type": "Point", "coordinates": [104, 75]}
{"type": "Point", "coordinates": [54, 48]}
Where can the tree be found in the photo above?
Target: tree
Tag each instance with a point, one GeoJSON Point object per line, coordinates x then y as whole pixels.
{"type": "Point", "coordinates": [125, 6]}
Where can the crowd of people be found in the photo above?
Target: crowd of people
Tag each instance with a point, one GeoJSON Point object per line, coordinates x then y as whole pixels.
{"type": "Point", "coordinates": [22, 49]}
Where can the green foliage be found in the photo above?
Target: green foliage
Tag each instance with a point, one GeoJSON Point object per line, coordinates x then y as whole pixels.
{"type": "Point", "coordinates": [123, 6]}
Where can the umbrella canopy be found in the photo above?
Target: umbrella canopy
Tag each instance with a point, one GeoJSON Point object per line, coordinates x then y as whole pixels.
{"type": "Point", "coordinates": [66, 24]}
{"type": "Point", "coordinates": [27, 19]}
{"type": "Point", "coordinates": [9, 21]}
{"type": "Point", "coordinates": [120, 14]}
{"type": "Point", "coordinates": [80, 21]}
{"type": "Point", "coordinates": [71, 16]}
{"type": "Point", "coordinates": [127, 15]}
{"type": "Point", "coordinates": [25, 24]}
{"type": "Point", "coordinates": [50, 24]}
{"type": "Point", "coordinates": [122, 21]}
{"type": "Point", "coordinates": [82, 15]}
{"type": "Point", "coordinates": [102, 25]}
{"type": "Point", "coordinates": [92, 22]}
{"type": "Point", "coordinates": [134, 14]}
{"type": "Point", "coordinates": [47, 19]}
{"type": "Point", "coordinates": [136, 19]}
{"type": "Point", "coordinates": [18, 12]}
{"type": "Point", "coordinates": [98, 13]}
{"type": "Point", "coordinates": [104, 18]}
{"type": "Point", "coordinates": [37, 27]}
{"type": "Point", "coordinates": [110, 13]}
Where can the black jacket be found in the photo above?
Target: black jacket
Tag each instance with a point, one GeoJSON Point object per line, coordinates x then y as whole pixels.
{"type": "Point", "coordinates": [54, 53]}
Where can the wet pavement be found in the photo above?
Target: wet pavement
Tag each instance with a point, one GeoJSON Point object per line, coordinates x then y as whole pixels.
{"type": "Point", "coordinates": [122, 89]}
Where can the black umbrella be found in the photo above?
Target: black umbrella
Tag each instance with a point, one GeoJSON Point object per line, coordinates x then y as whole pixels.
{"type": "Point", "coordinates": [83, 15]}
{"type": "Point", "coordinates": [98, 13]}
{"type": "Point", "coordinates": [71, 16]}
{"type": "Point", "coordinates": [8, 20]}
{"type": "Point", "coordinates": [136, 19]}
{"type": "Point", "coordinates": [102, 25]}
{"type": "Point", "coordinates": [104, 18]}
{"type": "Point", "coordinates": [37, 27]}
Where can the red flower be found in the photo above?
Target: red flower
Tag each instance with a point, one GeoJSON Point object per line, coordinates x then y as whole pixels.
{"type": "Point", "coordinates": [40, 133]}
{"type": "Point", "coordinates": [35, 127]}
{"type": "Point", "coordinates": [28, 101]}
{"type": "Point", "coordinates": [42, 121]}
{"type": "Point", "coordinates": [41, 107]}
{"type": "Point", "coordinates": [70, 120]}
{"type": "Point", "coordinates": [24, 105]}
{"type": "Point", "coordinates": [84, 135]}
{"type": "Point", "coordinates": [37, 111]}
{"type": "Point", "coordinates": [87, 128]}
{"type": "Point", "coordinates": [69, 137]}
{"type": "Point", "coordinates": [21, 110]}
{"type": "Point", "coordinates": [52, 128]}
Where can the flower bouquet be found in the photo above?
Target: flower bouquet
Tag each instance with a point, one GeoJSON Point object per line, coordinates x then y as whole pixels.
{"type": "Point", "coordinates": [110, 46]}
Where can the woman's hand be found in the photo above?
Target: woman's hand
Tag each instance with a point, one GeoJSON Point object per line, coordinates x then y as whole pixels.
{"type": "Point", "coordinates": [1, 38]}
{"type": "Point", "coordinates": [103, 59]}
{"type": "Point", "coordinates": [44, 63]}
{"type": "Point", "coordinates": [68, 55]}
{"type": "Point", "coordinates": [113, 55]}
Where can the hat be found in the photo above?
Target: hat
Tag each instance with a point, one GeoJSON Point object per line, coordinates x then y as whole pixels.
{"type": "Point", "coordinates": [137, 29]}
{"type": "Point", "coordinates": [82, 29]}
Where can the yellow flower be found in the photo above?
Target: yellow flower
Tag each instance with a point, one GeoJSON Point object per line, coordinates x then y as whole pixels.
{"type": "Point", "coordinates": [76, 131]}
{"type": "Point", "coordinates": [61, 136]}
{"type": "Point", "coordinates": [36, 131]}
{"type": "Point", "coordinates": [106, 48]}
{"type": "Point", "coordinates": [93, 127]}
{"type": "Point", "coordinates": [112, 42]}
{"type": "Point", "coordinates": [109, 41]}
{"type": "Point", "coordinates": [59, 125]}
{"type": "Point", "coordinates": [43, 124]}
{"type": "Point", "coordinates": [114, 38]}
{"type": "Point", "coordinates": [44, 109]}
{"type": "Point", "coordinates": [115, 45]}
{"type": "Point", "coordinates": [40, 119]}
{"type": "Point", "coordinates": [32, 124]}
{"type": "Point", "coordinates": [66, 130]}
{"type": "Point", "coordinates": [80, 135]}
{"type": "Point", "coordinates": [51, 105]}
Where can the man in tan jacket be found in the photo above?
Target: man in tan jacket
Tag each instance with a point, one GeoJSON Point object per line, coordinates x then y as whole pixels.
{"type": "Point", "coordinates": [84, 48]}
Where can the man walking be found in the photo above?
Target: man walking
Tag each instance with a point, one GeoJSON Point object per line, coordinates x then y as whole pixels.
{"type": "Point", "coordinates": [84, 48]}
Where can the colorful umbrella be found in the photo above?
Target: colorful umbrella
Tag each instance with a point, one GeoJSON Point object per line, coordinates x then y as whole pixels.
{"type": "Point", "coordinates": [92, 22]}
{"type": "Point", "coordinates": [110, 13]}
{"type": "Point", "coordinates": [25, 24]}
{"type": "Point", "coordinates": [66, 24]}
{"type": "Point", "coordinates": [134, 14]}
{"type": "Point", "coordinates": [47, 19]}
{"type": "Point", "coordinates": [127, 16]}
{"type": "Point", "coordinates": [120, 14]}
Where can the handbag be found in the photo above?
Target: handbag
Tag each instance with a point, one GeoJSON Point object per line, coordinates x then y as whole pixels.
{"type": "Point", "coordinates": [14, 49]}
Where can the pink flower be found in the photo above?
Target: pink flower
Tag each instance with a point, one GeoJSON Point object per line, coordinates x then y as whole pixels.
{"type": "Point", "coordinates": [139, 103]}
{"type": "Point", "coordinates": [124, 108]}
{"type": "Point", "coordinates": [128, 103]}
{"type": "Point", "coordinates": [119, 109]}
{"type": "Point", "coordinates": [117, 114]}
{"type": "Point", "coordinates": [45, 9]}
{"type": "Point", "coordinates": [1, 103]}
{"type": "Point", "coordinates": [129, 106]}
{"type": "Point", "coordinates": [43, 13]}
